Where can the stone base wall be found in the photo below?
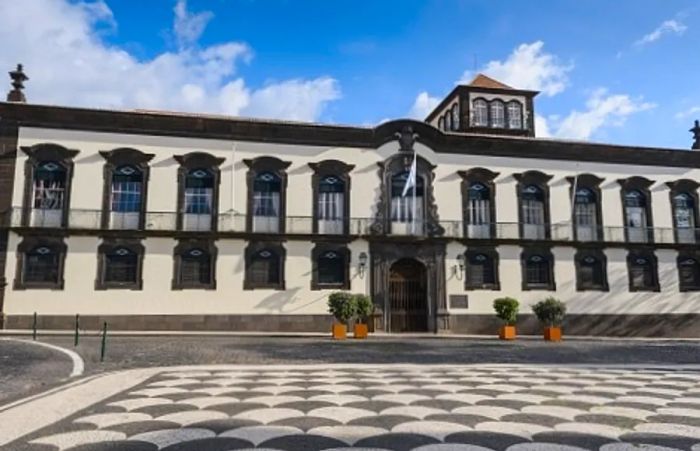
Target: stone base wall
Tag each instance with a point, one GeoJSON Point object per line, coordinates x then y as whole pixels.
{"type": "Point", "coordinates": [659, 326]}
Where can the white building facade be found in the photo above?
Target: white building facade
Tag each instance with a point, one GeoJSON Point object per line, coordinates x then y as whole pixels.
{"type": "Point", "coordinates": [167, 221]}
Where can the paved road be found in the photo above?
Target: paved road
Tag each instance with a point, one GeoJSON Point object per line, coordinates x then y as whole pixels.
{"type": "Point", "coordinates": [139, 352]}
{"type": "Point", "coordinates": [422, 408]}
{"type": "Point", "coordinates": [26, 368]}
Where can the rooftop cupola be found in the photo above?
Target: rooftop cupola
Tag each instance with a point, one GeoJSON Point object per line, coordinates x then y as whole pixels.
{"type": "Point", "coordinates": [486, 106]}
{"type": "Point", "coordinates": [18, 78]}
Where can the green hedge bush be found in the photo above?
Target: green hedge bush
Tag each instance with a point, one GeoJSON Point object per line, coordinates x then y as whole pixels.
{"type": "Point", "coordinates": [550, 312]}
{"type": "Point", "coordinates": [507, 310]}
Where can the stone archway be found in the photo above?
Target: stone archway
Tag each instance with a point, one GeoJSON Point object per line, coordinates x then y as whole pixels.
{"type": "Point", "coordinates": [408, 296]}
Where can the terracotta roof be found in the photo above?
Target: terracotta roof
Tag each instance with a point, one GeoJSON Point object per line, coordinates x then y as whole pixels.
{"type": "Point", "coordinates": [482, 81]}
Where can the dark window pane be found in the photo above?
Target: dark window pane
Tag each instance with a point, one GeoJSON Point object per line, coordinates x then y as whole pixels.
{"type": "Point", "coordinates": [480, 270]}
{"type": "Point", "coordinates": [591, 272]}
{"type": "Point", "coordinates": [264, 268]}
{"type": "Point", "coordinates": [195, 268]}
{"type": "Point", "coordinates": [331, 268]}
{"type": "Point", "coordinates": [689, 273]}
{"type": "Point", "coordinates": [121, 266]}
{"type": "Point", "coordinates": [641, 273]}
{"type": "Point", "coordinates": [537, 270]}
{"type": "Point", "coordinates": [41, 265]}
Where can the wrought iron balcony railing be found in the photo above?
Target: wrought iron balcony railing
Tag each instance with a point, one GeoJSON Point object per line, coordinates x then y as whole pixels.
{"type": "Point", "coordinates": [304, 225]}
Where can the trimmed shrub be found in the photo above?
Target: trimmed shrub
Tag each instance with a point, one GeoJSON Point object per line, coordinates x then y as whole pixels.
{"type": "Point", "coordinates": [507, 310]}
{"type": "Point", "coordinates": [342, 306]}
{"type": "Point", "coordinates": [550, 312]}
{"type": "Point", "coordinates": [363, 307]}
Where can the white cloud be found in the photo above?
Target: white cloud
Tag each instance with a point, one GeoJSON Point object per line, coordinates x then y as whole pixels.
{"type": "Point", "coordinates": [423, 105]}
{"type": "Point", "coordinates": [602, 110]}
{"type": "Point", "coordinates": [70, 64]}
{"type": "Point", "coordinates": [542, 127]}
{"type": "Point", "coordinates": [528, 67]}
{"type": "Point", "coordinates": [667, 27]}
{"type": "Point", "coordinates": [689, 112]}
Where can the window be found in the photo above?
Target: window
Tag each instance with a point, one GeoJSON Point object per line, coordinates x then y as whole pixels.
{"type": "Point", "coordinates": [125, 190]}
{"type": "Point", "coordinates": [331, 196]}
{"type": "Point", "coordinates": [455, 117]}
{"type": "Point", "coordinates": [498, 114]}
{"type": "Point", "coordinates": [642, 271]}
{"type": "Point", "coordinates": [481, 113]}
{"type": "Point", "coordinates": [120, 264]}
{"type": "Point", "coordinates": [264, 266]}
{"type": "Point", "coordinates": [40, 263]}
{"type": "Point", "coordinates": [266, 202]}
{"type": "Point", "coordinates": [538, 270]}
{"type": "Point", "coordinates": [199, 190]}
{"type": "Point", "coordinates": [636, 216]}
{"type": "Point", "coordinates": [585, 215]}
{"type": "Point", "coordinates": [441, 123]}
{"type": "Point", "coordinates": [591, 273]}
{"type": "Point", "coordinates": [688, 273]}
{"type": "Point", "coordinates": [331, 267]}
{"type": "Point", "coordinates": [48, 172]}
{"type": "Point", "coordinates": [684, 215]}
{"type": "Point", "coordinates": [481, 271]}
{"type": "Point", "coordinates": [533, 214]}
{"type": "Point", "coordinates": [478, 211]}
{"type": "Point", "coordinates": [515, 115]}
{"type": "Point", "coordinates": [195, 264]}
{"type": "Point", "coordinates": [403, 206]}
{"type": "Point", "coordinates": [448, 121]}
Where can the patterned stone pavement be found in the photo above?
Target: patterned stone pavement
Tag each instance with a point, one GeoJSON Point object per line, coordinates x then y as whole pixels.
{"type": "Point", "coordinates": [385, 407]}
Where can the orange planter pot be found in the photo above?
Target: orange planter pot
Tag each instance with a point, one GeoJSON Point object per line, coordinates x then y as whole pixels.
{"type": "Point", "coordinates": [552, 333]}
{"type": "Point", "coordinates": [360, 331]}
{"type": "Point", "coordinates": [507, 333]}
{"type": "Point", "coordinates": [340, 331]}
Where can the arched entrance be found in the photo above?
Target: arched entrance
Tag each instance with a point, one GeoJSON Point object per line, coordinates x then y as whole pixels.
{"type": "Point", "coordinates": [408, 296]}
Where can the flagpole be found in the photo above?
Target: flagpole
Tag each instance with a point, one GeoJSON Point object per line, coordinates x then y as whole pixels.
{"type": "Point", "coordinates": [573, 202]}
{"type": "Point", "coordinates": [415, 183]}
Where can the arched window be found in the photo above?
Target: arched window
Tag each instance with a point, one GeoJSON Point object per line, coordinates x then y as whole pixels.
{"type": "Point", "coordinates": [480, 116]}
{"type": "Point", "coordinates": [515, 115]}
{"type": "Point", "coordinates": [264, 267]}
{"type": "Point", "coordinates": [266, 202]}
{"type": "Point", "coordinates": [121, 266]}
{"type": "Point", "coordinates": [585, 214]}
{"type": "Point", "coordinates": [194, 266]}
{"type": "Point", "coordinates": [688, 273]}
{"type": "Point", "coordinates": [538, 270]}
{"type": "Point", "coordinates": [478, 211]}
{"type": "Point", "coordinates": [591, 271]}
{"type": "Point", "coordinates": [127, 195]}
{"type": "Point", "coordinates": [49, 194]}
{"type": "Point", "coordinates": [199, 199]}
{"type": "Point", "coordinates": [41, 265]}
{"type": "Point", "coordinates": [455, 117]}
{"type": "Point", "coordinates": [684, 215]}
{"type": "Point", "coordinates": [498, 114]}
{"type": "Point", "coordinates": [441, 123]}
{"type": "Point", "coordinates": [636, 222]}
{"type": "Point", "coordinates": [533, 212]}
{"type": "Point", "coordinates": [331, 205]}
{"type": "Point", "coordinates": [448, 121]}
{"type": "Point", "coordinates": [642, 272]}
{"type": "Point", "coordinates": [481, 270]}
{"type": "Point", "coordinates": [406, 208]}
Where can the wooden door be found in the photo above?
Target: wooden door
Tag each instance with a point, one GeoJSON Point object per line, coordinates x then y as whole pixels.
{"type": "Point", "coordinates": [408, 297]}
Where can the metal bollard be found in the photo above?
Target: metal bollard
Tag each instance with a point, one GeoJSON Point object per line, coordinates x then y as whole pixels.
{"type": "Point", "coordinates": [34, 328]}
{"type": "Point", "coordinates": [77, 330]}
{"type": "Point", "coordinates": [104, 342]}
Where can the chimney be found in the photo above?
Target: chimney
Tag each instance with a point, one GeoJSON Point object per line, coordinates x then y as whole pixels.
{"type": "Point", "coordinates": [696, 135]}
{"type": "Point", "coordinates": [18, 78]}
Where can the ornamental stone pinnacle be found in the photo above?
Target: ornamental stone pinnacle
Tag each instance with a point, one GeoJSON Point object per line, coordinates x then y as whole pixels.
{"type": "Point", "coordinates": [18, 78]}
{"type": "Point", "coordinates": [696, 135]}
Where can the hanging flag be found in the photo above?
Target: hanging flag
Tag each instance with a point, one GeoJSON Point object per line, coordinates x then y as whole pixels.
{"type": "Point", "coordinates": [411, 180]}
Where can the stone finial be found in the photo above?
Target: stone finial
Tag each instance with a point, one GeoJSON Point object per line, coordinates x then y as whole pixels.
{"type": "Point", "coordinates": [696, 135]}
{"type": "Point", "coordinates": [18, 78]}
{"type": "Point", "coordinates": [406, 138]}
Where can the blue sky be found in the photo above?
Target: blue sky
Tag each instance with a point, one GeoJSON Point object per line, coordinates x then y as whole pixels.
{"type": "Point", "coordinates": [620, 72]}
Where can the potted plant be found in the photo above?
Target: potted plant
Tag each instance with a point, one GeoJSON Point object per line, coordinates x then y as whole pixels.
{"type": "Point", "coordinates": [507, 311]}
{"type": "Point", "coordinates": [551, 313]}
{"type": "Point", "coordinates": [341, 306]}
{"type": "Point", "coordinates": [363, 310]}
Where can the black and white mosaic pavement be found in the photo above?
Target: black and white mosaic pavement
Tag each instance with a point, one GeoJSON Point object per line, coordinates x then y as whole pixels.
{"type": "Point", "coordinates": [422, 408]}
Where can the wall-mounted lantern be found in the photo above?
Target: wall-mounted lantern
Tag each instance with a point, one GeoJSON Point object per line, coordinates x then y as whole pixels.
{"type": "Point", "coordinates": [459, 268]}
{"type": "Point", "coordinates": [362, 265]}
